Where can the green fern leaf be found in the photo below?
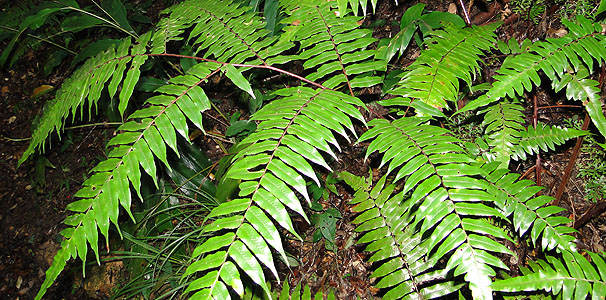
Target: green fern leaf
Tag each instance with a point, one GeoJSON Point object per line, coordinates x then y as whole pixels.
{"type": "Point", "coordinates": [544, 138]}
{"type": "Point", "coordinates": [229, 33]}
{"type": "Point", "coordinates": [452, 54]}
{"type": "Point", "coordinates": [582, 46]}
{"type": "Point", "coordinates": [503, 122]}
{"type": "Point", "coordinates": [140, 140]}
{"type": "Point", "coordinates": [271, 168]}
{"type": "Point", "coordinates": [572, 276]}
{"type": "Point", "coordinates": [507, 137]}
{"type": "Point", "coordinates": [581, 88]}
{"type": "Point", "coordinates": [406, 270]}
{"type": "Point", "coordinates": [517, 198]}
{"type": "Point", "coordinates": [334, 49]}
{"type": "Point", "coordinates": [85, 86]}
{"type": "Point", "coordinates": [449, 201]}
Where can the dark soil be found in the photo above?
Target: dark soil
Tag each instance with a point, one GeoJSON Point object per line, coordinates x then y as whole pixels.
{"type": "Point", "coordinates": [33, 196]}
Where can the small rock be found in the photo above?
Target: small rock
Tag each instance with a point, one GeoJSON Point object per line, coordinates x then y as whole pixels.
{"type": "Point", "coordinates": [28, 187]}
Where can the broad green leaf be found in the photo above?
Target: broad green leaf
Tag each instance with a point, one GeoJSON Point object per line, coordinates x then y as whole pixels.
{"type": "Point", "coordinates": [249, 264]}
{"type": "Point", "coordinates": [236, 77]}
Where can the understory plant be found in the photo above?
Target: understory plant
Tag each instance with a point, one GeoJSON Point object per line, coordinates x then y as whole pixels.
{"type": "Point", "coordinates": [443, 215]}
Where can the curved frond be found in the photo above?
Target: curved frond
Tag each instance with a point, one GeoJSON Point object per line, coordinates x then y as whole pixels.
{"type": "Point", "coordinates": [85, 86]}
{"type": "Point", "coordinates": [582, 47]}
{"type": "Point", "coordinates": [450, 201]}
{"type": "Point", "coordinates": [517, 197]}
{"type": "Point", "coordinates": [142, 139]}
{"type": "Point", "coordinates": [579, 87]}
{"type": "Point", "coordinates": [542, 138]}
{"type": "Point", "coordinates": [406, 270]}
{"type": "Point", "coordinates": [334, 49]}
{"type": "Point", "coordinates": [571, 276]}
{"type": "Point", "coordinates": [292, 133]}
{"type": "Point", "coordinates": [452, 54]}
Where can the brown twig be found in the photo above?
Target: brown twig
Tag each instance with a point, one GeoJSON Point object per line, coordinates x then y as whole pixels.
{"type": "Point", "coordinates": [569, 167]}
{"type": "Point", "coordinates": [486, 16]}
{"type": "Point", "coordinates": [595, 209]}
{"type": "Point", "coordinates": [535, 111]}
{"type": "Point", "coordinates": [465, 13]}
{"type": "Point", "coordinates": [575, 151]}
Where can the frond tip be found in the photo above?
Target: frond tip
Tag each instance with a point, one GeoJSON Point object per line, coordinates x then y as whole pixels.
{"type": "Point", "coordinates": [570, 276]}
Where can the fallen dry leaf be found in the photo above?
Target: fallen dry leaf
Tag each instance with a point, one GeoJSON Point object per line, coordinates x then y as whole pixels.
{"type": "Point", "coordinates": [41, 90]}
{"type": "Point", "coordinates": [452, 8]}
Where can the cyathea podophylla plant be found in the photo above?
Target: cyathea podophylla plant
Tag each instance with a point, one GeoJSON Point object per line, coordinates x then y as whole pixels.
{"type": "Point", "coordinates": [437, 220]}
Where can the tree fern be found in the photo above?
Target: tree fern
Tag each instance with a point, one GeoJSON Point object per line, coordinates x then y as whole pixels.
{"type": "Point", "coordinates": [438, 233]}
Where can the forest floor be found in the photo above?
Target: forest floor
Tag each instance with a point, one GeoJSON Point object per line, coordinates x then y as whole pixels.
{"type": "Point", "coordinates": [34, 195]}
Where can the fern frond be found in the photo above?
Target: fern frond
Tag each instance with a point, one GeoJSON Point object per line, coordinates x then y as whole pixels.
{"type": "Point", "coordinates": [450, 201]}
{"type": "Point", "coordinates": [144, 137]}
{"type": "Point", "coordinates": [542, 138]}
{"type": "Point", "coordinates": [229, 33]}
{"type": "Point", "coordinates": [570, 276]}
{"type": "Point", "coordinates": [579, 87]}
{"type": "Point", "coordinates": [452, 54]}
{"type": "Point", "coordinates": [406, 271]}
{"type": "Point", "coordinates": [503, 126]}
{"type": "Point", "coordinates": [293, 131]}
{"type": "Point", "coordinates": [582, 46]}
{"type": "Point", "coordinates": [334, 49]}
{"type": "Point", "coordinates": [508, 139]}
{"type": "Point", "coordinates": [517, 197]}
{"type": "Point", "coordinates": [85, 86]}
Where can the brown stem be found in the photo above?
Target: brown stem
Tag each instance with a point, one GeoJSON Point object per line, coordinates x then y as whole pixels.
{"type": "Point", "coordinates": [595, 210]}
{"type": "Point", "coordinates": [569, 167]}
{"type": "Point", "coordinates": [240, 65]}
{"type": "Point", "coordinates": [535, 111]}
{"type": "Point", "coordinates": [577, 147]}
{"type": "Point", "coordinates": [561, 106]}
{"type": "Point", "coordinates": [467, 20]}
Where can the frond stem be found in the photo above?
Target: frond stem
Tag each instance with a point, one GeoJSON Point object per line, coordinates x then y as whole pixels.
{"type": "Point", "coordinates": [9, 139]}
{"type": "Point", "coordinates": [115, 25]}
{"type": "Point", "coordinates": [42, 40]}
{"type": "Point", "coordinates": [238, 65]}
{"type": "Point", "coordinates": [334, 44]}
{"type": "Point", "coordinates": [467, 20]}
